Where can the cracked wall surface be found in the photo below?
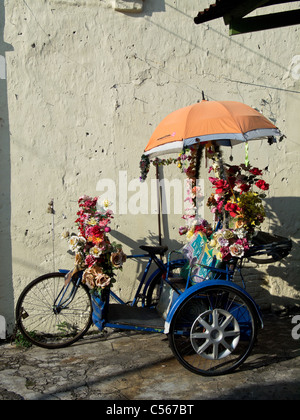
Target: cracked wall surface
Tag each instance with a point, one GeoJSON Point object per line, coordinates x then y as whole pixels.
{"type": "Point", "coordinates": [86, 85]}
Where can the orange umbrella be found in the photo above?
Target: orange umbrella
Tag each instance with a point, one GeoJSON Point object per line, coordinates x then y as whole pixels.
{"type": "Point", "coordinates": [226, 122]}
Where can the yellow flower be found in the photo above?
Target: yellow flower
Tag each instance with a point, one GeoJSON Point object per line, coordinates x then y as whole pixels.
{"type": "Point", "coordinates": [92, 221]}
{"type": "Point", "coordinates": [219, 256]}
{"type": "Point", "coordinates": [213, 243]}
{"type": "Point", "coordinates": [190, 234]}
{"type": "Point", "coordinates": [106, 203]}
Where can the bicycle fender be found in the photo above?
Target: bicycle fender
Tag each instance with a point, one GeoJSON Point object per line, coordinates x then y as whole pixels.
{"type": "Point", "coordinates": [203, 285]}
{"type": "Point", "coordinates": [62, 270]}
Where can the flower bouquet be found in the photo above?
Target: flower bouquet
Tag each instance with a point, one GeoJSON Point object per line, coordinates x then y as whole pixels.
{"type": "Point", "coordinates": [235, 197]}
{"type": "Point", "coordinates": [236, 201]}
{"type": "Point", "coordinates": [230, 243]}
{"type": "Point", "coordinates": [94, 253]}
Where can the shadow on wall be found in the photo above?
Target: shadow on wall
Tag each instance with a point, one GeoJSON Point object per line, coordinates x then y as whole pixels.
{"type": "Point", "coordinates": [284, 216]}
{"type": "Point", "coordinates": [6, 287]}
{"type": "Point", "coordinates": [140, 7]}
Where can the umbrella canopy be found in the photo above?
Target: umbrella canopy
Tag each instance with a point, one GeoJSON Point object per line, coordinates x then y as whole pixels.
{"type": "Point", "coordinates": [227, 122]}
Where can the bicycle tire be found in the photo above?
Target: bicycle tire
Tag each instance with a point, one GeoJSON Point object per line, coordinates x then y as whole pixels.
{"type": "Point", "coordinates": [39, 319]}
{"type": "Point", "coordinates": [214, 330]}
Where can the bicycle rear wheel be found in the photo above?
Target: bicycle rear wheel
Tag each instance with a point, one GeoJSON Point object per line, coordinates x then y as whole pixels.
{"type": "Point", "coordinates": [214, 330]}
{"type": "Point", "coordinates": [52, 315]}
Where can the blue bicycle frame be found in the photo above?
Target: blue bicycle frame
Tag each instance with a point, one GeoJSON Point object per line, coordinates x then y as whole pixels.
{"type": "Point", "coordinates": [161, 268]}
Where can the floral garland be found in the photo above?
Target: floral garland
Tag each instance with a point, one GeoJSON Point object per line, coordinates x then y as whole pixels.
{"type": "Point", "coordinates": [185, 161]}
{"type": "Point", "coordinates": [94, 253]}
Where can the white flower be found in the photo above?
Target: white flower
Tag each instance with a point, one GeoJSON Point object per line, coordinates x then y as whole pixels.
{"type": "Point", "coordinates": [73, 243]}
{"type": "Point", "coordinates": [102, 207]}
{"type": "Point", "coordinates": [95, 251]}
{"type": "Point", "coordinates": [106, 203]}
{"type": "Point", "coordinates": [240, 233]}
{"type": "Point", "coordinates": [236, 250]}
{"type": "Point", "coordinates": [76, 242]}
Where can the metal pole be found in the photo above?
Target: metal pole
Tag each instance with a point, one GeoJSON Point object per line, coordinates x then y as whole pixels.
{"type": "Point", "coordinates": [158, 203]}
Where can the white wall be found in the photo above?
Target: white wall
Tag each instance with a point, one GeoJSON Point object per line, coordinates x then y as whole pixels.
{"type": "Point", "coordinates": [86, 86]}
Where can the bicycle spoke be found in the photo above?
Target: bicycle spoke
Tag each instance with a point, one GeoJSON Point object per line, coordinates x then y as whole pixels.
{"type": "Point", "coordinates": [49, 318]}
{"type": "Point", "coordinates": [217, 338]}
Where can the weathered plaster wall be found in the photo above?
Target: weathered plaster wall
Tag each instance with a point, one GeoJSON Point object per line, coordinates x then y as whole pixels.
{"type": "Point", "coordinates": [86, 86]}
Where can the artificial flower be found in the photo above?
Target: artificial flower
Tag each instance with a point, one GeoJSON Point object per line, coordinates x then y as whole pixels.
{"type": "Point", "coordinates": [90, 260]}
{"type": "Point", "coordinates": [183, 230]}
{"type": "Point", "coordinates": [79, 259]}
{"type": "Point", "coordinates": [118, 258]}
{"type": "Point", "coordinates": [75, 242]}
{"type": "Point", "coordinates": [88, 278]}
{"type": "Point", "coordinates": [232, 208]}
{"type": "Point", "coordinates": [236, 250]}
{"type": "Point", "coordinates": [225, 252]}
{"type": "Point", "coordinates": [255, 171]}
{"type": "Point", "coordinates": [102, 281]}
{"type": "Point", "coordinates": [95, 252]}
{"type": "Point", "coordinates": [262, 185]}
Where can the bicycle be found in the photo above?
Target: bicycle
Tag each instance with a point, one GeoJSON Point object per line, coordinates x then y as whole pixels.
{"type": "Point", "coordinates": [52, 314]}
{"type": "Point", "coordinates": [211, 325]}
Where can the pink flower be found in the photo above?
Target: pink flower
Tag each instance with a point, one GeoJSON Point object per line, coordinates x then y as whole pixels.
{"type": "Point", "coordinates": [183, 230]}
{"type": "Point", "coordinates": [243, 242]}
{"type": "Point", "coordinates": [220, 206]}
{"type": "Point", "coordinates": [90, 260]}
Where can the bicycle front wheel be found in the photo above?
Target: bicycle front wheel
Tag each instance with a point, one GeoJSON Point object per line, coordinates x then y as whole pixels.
{"type": "Point", "coordinates": [51, 314]}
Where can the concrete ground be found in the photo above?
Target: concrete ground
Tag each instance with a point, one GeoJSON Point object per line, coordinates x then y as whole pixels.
{"type": "Point", "coordinates": [133, 366]}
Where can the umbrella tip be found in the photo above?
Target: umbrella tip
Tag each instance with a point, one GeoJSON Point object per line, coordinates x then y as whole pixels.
{"type": "Point", "coordinates": [203, 97]}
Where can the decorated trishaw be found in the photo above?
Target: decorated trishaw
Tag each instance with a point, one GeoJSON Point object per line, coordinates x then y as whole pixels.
{"type": "Point", "coordinates": [193, 297]}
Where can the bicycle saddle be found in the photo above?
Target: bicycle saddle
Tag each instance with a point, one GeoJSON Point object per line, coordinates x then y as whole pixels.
{"type": "Point", "coordinates": [160, 250]}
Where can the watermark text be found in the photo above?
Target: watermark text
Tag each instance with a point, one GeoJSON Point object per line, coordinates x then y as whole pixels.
{"type": "Point", "coordinates": [130, 196]}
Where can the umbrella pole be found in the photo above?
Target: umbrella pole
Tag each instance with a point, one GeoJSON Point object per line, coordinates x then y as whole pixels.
{"type": "Point", "coordinates": [158, 204]}
{"type": "Point", "coordinates": [197, 171]}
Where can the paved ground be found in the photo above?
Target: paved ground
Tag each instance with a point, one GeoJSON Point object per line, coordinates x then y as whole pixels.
{"type": "Point", "coordinates": [134, 366]}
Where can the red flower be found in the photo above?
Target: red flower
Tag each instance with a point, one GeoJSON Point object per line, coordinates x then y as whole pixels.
{"type": "Point", "coordinates": [244, 187]}
{"type": "Point", "coordinates": [221, 186]}
{"type": "Point", "coordinates": [199, 228]}
{"type": "Point", "coordinates": [262, 185]}
{"type": "Point", "coordinates": [255, 171]}
{"type": "Point", "coordinates": [225, 253]}
{"type": "Point", "coordinates": [94, 231]}
{"type": "Point", "coordinates": [233, 169]}
{"type": "Point", "coordinates": [232, 208]}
